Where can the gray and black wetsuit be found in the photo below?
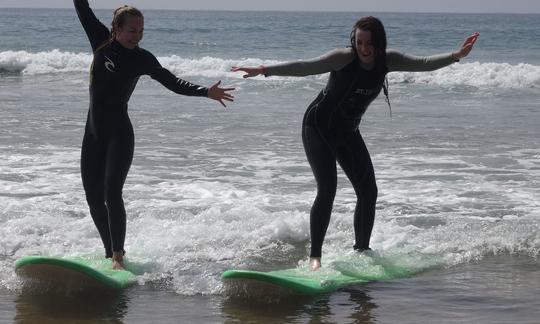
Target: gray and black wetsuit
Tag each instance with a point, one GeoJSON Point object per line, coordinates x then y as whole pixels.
{"type": "Point", "coordinates": [107, 149]}
{"type": "Point", "coordinates": [330, 131]}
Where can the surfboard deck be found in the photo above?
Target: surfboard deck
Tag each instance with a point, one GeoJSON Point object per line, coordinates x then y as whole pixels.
{"type": "Point", "coordinates": [297, 281]}
{"type": "Point", "coordinates": [73, 273]}
{"type": "Point", "coordinates": [345, 271]}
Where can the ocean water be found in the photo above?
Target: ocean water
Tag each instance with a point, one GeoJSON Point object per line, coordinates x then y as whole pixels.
{"type": "Point", "coordinates": [457, 165]}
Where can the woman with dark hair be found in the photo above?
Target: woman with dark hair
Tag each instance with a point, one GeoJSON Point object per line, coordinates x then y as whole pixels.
{"type": "Point", "coordinates": [330, 126]}
{"type": "Point", "coordinates": [107, 149]}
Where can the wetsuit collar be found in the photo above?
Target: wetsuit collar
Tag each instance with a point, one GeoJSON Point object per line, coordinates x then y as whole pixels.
{"type": "Point", "coordinates": [116, 45]}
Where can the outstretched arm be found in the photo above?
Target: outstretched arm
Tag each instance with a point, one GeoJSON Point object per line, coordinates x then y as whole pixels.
{"type": "Point", "coordinates": [397, 61]}
{"type": "Point", "coordinates": [183, 87]}
{"type": "Point", "coordinates": [331, 61]}
{"type": "Point", "coordinates": [97, 32]}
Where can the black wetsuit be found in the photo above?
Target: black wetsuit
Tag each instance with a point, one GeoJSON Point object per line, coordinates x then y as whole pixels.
{"type": "Point", "coordinates": [107, 149]}
{"type": "Point", "coordinates": [330, 131]}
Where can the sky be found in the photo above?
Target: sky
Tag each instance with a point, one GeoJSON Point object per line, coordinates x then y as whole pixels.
{"type": "Point", "coordinates": [459, 6]}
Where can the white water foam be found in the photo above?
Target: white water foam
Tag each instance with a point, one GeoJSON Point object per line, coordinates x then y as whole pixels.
{"type": "Point", "coordinates": [186, 232]}
{"type": "Point", "coordinates": [481, 75]}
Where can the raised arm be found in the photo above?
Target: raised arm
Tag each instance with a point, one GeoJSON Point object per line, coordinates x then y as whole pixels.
{"type": "Point", "coordinates": [97, 32]}
{"type": "Point", "coordinates": [397, 61]}
{"type": "Point", "coordinates": [331, 61]}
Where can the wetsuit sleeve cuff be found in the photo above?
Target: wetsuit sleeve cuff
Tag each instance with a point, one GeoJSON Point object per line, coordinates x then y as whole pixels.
{"type": "Point", "coordinates": [264, 72]}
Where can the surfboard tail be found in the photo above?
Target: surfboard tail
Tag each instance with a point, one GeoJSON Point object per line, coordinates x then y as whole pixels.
{"type": "Point", "coordinates": [71, 274]}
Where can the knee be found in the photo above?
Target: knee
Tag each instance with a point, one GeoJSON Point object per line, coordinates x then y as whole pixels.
{"type": "Point", "coordinates": [367, 192]}
{"type": "Point", "coordinates": [113, 197]}
{"type": "Point", "coordinates": [326, 193]}
{"type": "Point", "coordinates": [94, 199]}
{"type": "Point", "coordinates": [96, 204]}
{"type": "Point", "coordinates": [374, 191]}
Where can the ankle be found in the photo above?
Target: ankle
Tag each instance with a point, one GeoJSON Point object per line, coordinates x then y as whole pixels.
{"type": "Point", "coordinates": [118, 256]}
{"type": "Point", "coordinates": [314, 263]}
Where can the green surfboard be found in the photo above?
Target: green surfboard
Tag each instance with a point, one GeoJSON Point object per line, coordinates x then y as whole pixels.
{"type": "Point", "coordinates": [295, 280]}
{"type": "Point", "coordinates": [339, 273]}
{"type": "Point", "coordinates": [77, 273]}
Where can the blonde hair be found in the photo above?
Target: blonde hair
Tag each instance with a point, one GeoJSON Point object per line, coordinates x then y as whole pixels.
{"type": "Point", "coordinates": [120, 17]}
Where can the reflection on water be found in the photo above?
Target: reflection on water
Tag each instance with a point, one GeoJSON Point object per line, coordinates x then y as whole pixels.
{"type": "Point", "coordinates": [352, 305]}
{"type": "Point", "coordinates": [363, 307]}
{"type": "Point", "coordinates": [87, 307]}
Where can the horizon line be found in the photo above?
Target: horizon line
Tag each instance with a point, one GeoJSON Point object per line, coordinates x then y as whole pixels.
{"type": "Point", "coordinates": [293, 10]}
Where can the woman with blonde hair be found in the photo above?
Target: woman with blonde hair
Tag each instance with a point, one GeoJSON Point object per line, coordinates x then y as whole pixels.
{"type": "Point", "coordinates": [108, 144]}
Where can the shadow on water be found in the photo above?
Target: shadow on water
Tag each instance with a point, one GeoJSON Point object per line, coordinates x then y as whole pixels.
{"type": "Point", "coordinates": [351, 305]}
{"type": "Point", "coordinates": [34, 306]}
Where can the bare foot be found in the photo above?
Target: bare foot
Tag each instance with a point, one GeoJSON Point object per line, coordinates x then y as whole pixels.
{"type": "Point", "coordinates": [118, 261]}
{"type": "Point", "coordinates": [314, 263]}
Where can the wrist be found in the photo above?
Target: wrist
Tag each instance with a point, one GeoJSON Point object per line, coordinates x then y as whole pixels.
{"type": "Point", "coordinates": [262, 69]}
{"type": "Point", "coordinates": [455, 56]}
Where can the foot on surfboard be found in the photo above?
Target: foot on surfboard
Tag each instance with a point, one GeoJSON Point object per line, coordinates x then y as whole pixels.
{"type": "Point", "coordinates": [360, 250]}
{"type": "Point", "coordinates": [314, 263]}
{"type": "Point", "coordinates": [118, 261]}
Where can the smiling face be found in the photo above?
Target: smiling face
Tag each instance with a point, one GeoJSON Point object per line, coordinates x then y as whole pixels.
{"type": "Point", "coordinates": [364, 46]}
{"type": "Point", "coordinates": [368, 39]}
{"type": "Point", "coordinates": [131, 32]}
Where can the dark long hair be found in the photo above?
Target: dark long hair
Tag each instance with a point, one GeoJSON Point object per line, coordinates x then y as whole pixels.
{"type": "Point", "coordinates": [378, 39]}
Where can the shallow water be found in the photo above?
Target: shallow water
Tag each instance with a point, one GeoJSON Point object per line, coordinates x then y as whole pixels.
{"type": "Point", "coordinates": [498, 289]}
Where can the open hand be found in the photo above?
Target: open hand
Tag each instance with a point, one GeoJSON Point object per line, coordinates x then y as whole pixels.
{"type": "Point", "coordinates": [250, 71]}
{"type": "Point", "coordinates": [220, 94]}
{"type": "Point", "coordinates": [466, 47]}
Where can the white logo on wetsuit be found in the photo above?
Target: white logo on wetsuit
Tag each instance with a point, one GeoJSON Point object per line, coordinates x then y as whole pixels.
{"type": "Point", "coordinates": [109, 64]}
